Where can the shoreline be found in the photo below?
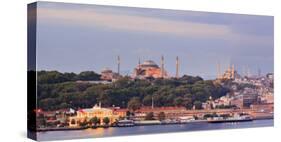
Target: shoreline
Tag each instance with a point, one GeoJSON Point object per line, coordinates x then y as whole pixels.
{"type": "Point", "coordinates": [139, 124]}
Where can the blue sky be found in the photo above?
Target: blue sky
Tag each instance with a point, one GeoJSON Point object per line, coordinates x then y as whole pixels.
{"type": "Point", "coordinates": [74, 38]}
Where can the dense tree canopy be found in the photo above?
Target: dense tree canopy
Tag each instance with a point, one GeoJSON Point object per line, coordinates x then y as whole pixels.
{"type": "Point", "coordinates": [60, 90]}
{"type": "Point", "coordinates": [134, 103]}
{"type": "Point", "coordinates": [57, 77]}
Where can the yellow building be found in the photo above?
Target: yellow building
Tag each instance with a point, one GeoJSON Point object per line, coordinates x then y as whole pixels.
{"type": "Point", "coordinates": [96, 111]}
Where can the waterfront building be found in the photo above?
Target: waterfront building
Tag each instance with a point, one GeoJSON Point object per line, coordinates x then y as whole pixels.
{"type": "Point", "coordinates": [121, 112]}
{"type": "Point", "coordinates": [269, 97]}
{"type": "Point", "coordinates": [245, 100]}
{"type": "Point", "coordinates": [270, 76]}
{"type": "Point", "coordinates": [99, 112]}
{"type": "Point", "coordinates": [170, 112]}
{"type": "Point", "coordinates": [249, 99]}
{"type": "Point", "coordinates": [266, 107]}
{"type": "Point", "coordinates": [222, 101]}
{"type": "Point", "coordinates": [237, 101]}
{"type": "Point", "coordinates": [53, 118]}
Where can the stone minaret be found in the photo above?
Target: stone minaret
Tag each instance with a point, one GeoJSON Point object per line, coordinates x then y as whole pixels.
{"type": "Point", "coordinates": [162, 66]}
{"type": "Point", "coordinates": [118, 62]}
{"type": "Point", "coordinates": [232, 71]}
{"type": "Point", "coordinates": [177, 67]}
{"type": "Point", "coordinates": [139, 62]}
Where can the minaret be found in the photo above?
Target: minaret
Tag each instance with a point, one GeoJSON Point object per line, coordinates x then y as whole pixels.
{"type": "Point", "coordinates": [232, 71]}
{"type": "Point", "coordinates": [139, 62]}
{"type": "Point", "coordinates": [118, 62]}
{"type": "Point", "coordinates": [243, 71]}
{"type": "Point", "coordinates": [228, 72]}
{"type": "Point", "coordinates": [162, 66]}
{"type": "Point", "coordinates": [229, 69]}
{"type": "Point", "coordinates": [177, 67]}
{"type": "Point", "coordinates": [259, 72]}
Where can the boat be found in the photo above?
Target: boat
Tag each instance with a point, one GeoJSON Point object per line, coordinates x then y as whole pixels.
{"type": "Point", "coordinates": [125, 123]}
{"type": "Point", "coordinates": [147, 122]}
{"type": "Point", "coordinates": [230, 119]}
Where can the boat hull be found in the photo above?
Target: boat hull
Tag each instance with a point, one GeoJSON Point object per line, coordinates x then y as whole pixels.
{"type": "Point", "coordinates": [224, 121]}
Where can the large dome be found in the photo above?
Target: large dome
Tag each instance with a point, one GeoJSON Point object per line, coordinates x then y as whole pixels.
{"type": "Point", "coordinates": [106, 70]}
{"type": "Point", "coordinates": [149, 63]}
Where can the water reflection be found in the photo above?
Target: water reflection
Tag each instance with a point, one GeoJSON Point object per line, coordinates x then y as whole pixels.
{"type": "Point", "coordinates": [115, 131]}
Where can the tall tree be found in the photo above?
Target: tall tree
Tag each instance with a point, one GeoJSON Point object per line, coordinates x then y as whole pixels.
{"type": "Point", "coordinates": [134, 103]}
{"type": "Point", "coordinates": [106, 120]}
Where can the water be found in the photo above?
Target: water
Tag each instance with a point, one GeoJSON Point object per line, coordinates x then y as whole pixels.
{"type": "Point", "coordinates": [122, 131]}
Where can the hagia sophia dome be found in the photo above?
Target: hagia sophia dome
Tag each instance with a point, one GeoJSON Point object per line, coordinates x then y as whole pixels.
{"type": "Point", "coordinates": [149, 63]}
{"type": "Point", "coordinates": [149, 69]}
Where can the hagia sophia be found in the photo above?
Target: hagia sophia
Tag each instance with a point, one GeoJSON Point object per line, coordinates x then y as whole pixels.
{"type": "Point", "coordinates": [150, 69]}
{"type": "Point", "coordinates": [144, 70]}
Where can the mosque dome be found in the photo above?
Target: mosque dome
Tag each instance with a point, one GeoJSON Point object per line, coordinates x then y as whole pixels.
{"type": "Point", "coordinates": [149, 63]}
{"type": "Point", "coordinates": [106, 70]}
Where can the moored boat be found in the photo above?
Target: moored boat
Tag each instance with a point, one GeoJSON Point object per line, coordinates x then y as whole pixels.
{"type": "Point", "coordinates": [231, 119]}
{"type": "Point", "coordinates": [125, 123]}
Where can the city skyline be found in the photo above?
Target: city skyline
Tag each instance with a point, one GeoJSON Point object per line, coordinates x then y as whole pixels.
{"type": "Point", "coordinates": [100, 71]}
{"type": "Point", "coordinates": [69, 36]}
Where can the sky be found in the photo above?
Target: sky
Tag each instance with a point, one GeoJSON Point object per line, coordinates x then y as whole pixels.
{"type": "Point", "coordinates": [76, 37]}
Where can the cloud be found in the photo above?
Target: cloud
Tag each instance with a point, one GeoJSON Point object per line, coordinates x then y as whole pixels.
{"type": "Point", "coordinates": [135, 23]}
{"type": "Point", "coordinates": [132, 23]}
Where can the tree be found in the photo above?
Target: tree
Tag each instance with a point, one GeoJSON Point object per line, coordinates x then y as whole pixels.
{"type": "Point", "coordinates": [149, 116]}
{"type": "Point", "coordinates": [83, 123]}
{"type": "Point", "coordinates": [57, 90]}
{"type": "Point", "coordinates": [50, 77]}
{"type": "Point", "coordinates": [106, 120]}
{"type": "Point", "coordinates": [134, 103]}
{"type": "Point", "coordinates": [190, 79]}
{"type": "Point", "coordinates": [189, 106]}
{"type": "Point", "coordinates": [161, 116]}
{"type": "Point", "coordinates": [128, 114]}
{"type": "Point", "coordinates": [198, 105]}
{"type": "Point", "coordinates": [94, 121]}
{"type": "Point", "coordinates": [147, 100]}
{"type": "Point", "coordinates": [178, 101]}
{"type": "Point", "coordinates": [64, 105]}
{"type": "Point", "coordinates": [88, 75]}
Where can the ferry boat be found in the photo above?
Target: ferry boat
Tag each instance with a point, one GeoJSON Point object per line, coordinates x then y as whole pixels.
{"type": "Point", "coordinates": [170, 121]}
{"type": "Point", "coordinates": [231, 119]}
{"type": "Point", "coordinates": [147, 122]}
{"type": "Point", "coordinates": [125, 123]}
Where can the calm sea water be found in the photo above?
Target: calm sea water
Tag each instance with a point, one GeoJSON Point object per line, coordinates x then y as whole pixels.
{"type": "Point", "coordinates": [117, 131]}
